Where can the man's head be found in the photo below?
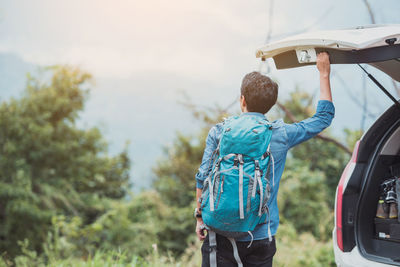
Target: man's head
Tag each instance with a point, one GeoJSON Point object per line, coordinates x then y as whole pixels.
{"type": "Point", "coordinates": [258, 93]}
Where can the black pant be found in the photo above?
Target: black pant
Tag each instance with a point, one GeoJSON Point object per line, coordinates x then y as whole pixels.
{"type": "Point", "coordinates": [259, 254]}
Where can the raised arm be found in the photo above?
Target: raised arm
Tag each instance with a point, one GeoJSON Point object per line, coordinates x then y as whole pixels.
{"type": "Point", "coordinates": [324, 68]}
{"type": "Point", "coordinates": [308, 128]}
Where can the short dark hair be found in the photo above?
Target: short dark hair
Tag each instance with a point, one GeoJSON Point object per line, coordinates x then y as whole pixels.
{"type": "Point", "coordinates": [259, 91]}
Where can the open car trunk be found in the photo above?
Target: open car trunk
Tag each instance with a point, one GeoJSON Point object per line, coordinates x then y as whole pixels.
{"type": "Point", "coordinates": [376, 45]}
{"type": "Point", "coordinates": [379, 239]}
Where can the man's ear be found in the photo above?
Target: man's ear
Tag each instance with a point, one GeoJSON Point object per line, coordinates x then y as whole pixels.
{"type": "Point", "coordinates": [243, 104]}
{"type": "Point", "coordinates": [242, 99]}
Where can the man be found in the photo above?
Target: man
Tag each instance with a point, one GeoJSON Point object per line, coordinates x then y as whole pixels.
{"type": "Point", "coordinates": [258, 95]}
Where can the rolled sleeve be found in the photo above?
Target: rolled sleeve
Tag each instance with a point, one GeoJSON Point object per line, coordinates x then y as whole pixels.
{"type": "Point", "coordinates": [308, 128]}
{"type": "Point", "coordinates": [205, 166]}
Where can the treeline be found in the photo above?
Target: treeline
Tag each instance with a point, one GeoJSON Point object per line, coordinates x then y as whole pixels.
{"type": "Point", "coordinates": [64, 201]}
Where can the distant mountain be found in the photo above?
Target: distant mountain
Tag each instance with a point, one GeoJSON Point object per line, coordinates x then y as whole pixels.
{"type": "Point", "coordinates": [13, 70]}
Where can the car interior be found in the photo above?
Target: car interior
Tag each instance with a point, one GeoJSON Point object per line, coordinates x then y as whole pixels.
{"type": "Point", "coordinates": [381, 236]}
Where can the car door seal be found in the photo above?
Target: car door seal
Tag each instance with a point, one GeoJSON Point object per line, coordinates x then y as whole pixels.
{"type": "Point", "coordinates": [396, 102]}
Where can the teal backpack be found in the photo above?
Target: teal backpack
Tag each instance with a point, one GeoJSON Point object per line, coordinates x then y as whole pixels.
{"type": "Point", "coordinates": [237, 189]}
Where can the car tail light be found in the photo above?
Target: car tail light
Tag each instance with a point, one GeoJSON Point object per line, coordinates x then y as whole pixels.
{"type": "Point", "coordinates": [339, 195]}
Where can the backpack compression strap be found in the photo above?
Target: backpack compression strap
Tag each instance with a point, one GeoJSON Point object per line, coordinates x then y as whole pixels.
{"type": "Point", "coordinates": [212, 178]}
{"type": "Point", "coordinates": [212, 183]}
{"type": "Point", "coordinates": [241, 162]}
{"type": "Point", "coordinates": [269, 154]}
{"type": "Point", "coordinates": [257, 176]}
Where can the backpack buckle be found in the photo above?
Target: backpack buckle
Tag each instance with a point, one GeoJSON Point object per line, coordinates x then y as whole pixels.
{"type": "Point", "coordinates": [264, 208]}
{"type": "Point", "coordinates": [217, 164]}
{"type": "Point", "coordinates": [236, 161]}
{"type": "Point", "coordinates": [240, 158]}
{"type": "Point", "coordinates": [257, 165]}
{"type": "Point", "coordinates": [212, 248]}
{"type": "Point", "coordinates": [266, 154]}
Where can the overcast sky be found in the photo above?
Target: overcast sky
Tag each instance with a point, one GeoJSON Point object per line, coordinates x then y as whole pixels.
{"type": "Point", "coordinates": [193, 38]}
{"type": "Point", "coordinates": [142, 53]}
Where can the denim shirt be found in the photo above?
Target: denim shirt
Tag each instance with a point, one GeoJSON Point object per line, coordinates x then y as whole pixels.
{"type": "Point", "coordinates": [284, 137]}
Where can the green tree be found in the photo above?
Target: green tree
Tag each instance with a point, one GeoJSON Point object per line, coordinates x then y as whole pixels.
{"type": "Point", "coordinates": [48, 165]}
{"type": "Point", "coordinates": [137, 226]}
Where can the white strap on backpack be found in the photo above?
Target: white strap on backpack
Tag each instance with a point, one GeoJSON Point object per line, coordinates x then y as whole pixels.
{"type": "Point", "coordinates": [212, 239]}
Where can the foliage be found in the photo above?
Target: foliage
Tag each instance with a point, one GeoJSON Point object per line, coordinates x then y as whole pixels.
{"type": "Point", "coordinates": [302, 200]}
{"type": "Point", "coordinates": [48, 165]}
{"type": "Point", "coordinates": [135, 226]}
{"type": "Point", "coordinates": [101, 257]}
{"type": "Point", "coordinates": [296, 249]}
{"type": "Point", "coordinates": [106, 258]}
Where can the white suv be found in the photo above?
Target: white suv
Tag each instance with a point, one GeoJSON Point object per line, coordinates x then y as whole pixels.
{"type": "Point", "coordinates": [376, 155]}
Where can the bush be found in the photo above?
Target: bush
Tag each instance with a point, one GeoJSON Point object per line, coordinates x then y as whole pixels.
{"type": "Point", "coordinates": [303, 198]}
{"type": "Point", "coordinates": [298, 250]}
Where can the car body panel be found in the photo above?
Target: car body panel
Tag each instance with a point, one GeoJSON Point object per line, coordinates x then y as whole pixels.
{"type": "Point", "coordinates": [377, 45]}
{"type": "Point", "coordinates": [352, 258]}
{"type": "Point", "coordinates": [346, 39]}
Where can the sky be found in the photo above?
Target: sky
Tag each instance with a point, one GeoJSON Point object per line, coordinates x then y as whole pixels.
{"type": "Point", "coordinates": [144, 54]}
